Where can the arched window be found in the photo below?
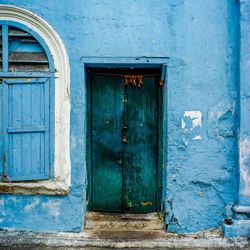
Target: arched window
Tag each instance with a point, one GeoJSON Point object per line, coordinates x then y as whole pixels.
{"type": "Point", "coordinates": [27, 99]}
{"type": "Point", "coordinates": [35, 105]}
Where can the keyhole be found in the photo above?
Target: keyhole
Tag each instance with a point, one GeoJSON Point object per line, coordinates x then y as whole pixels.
{"type": "Point", "coordinates": [124, 139]}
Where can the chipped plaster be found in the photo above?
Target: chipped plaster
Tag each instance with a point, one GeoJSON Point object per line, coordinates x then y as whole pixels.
{"type": "Point", "coordinates": [195, 117]}
{"type": "Point", "coordinates": [244, 152]}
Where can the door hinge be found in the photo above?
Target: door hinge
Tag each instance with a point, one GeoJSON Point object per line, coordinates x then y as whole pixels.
{"type": "Point", "coordinates": [4, 177]}
{"type": "Point", "coordinates": [163, 74]}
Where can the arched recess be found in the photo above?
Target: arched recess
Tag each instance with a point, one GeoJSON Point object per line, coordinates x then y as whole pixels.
{"type": "Point", "coordinates": [62, 169]}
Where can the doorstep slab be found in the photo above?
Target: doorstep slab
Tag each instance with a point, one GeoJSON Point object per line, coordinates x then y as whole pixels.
{"type": "Point", "coordinates": [123, 222]}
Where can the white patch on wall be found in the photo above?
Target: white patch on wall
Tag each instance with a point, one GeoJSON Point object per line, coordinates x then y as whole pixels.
{"type": "Point", "coordinates": [195, 116]}
{"type": "Point", "coordinates": [13, 199]}
{"type": "Point", "coordinates": [197, 137]}
{"type": "Point", "coordinates": [244, 148]}
{"type": "Point", "coordinates": [53, 208]}
{"type": "Point", "coordinates": [1, 202]}
{"type": "Point", "coordinates": [33, 204]}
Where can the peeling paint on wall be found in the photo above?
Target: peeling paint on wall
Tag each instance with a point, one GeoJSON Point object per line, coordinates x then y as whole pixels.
{"type": "Point", "coordinates": [32, 205]}
{"type": "Point", "coordinates": [221, 120]}
{"type": "Point", "coordinates": [1, 202]}
{"type": "Point", "coordinates": [244, 150]}
{"type": "Point", "coordinates": [191, 124]}
{"type": "Point", "coordinates": [190, 120]}
{"type": "Point", "coordinates": [53, 208]}
{"type": "Point", "coordinates": [197, 137]}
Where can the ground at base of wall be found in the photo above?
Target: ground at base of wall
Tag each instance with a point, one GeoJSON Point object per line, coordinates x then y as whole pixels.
{"type": "Point", "coordinates": [112, 240]}
{"type": "Point", "coordinates": [94, 248]}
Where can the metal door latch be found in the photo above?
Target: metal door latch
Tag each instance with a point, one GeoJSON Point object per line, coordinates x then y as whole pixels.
{"type": "Point", "coordinates": [124, 139]}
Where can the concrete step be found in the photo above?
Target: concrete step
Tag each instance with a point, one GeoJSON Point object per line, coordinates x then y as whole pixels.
{"type": "Point", "coordinates": [123, 222]}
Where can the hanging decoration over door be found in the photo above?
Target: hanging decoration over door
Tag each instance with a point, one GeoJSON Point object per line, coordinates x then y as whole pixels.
{"type": "Point", "coordinates": [134, 80]}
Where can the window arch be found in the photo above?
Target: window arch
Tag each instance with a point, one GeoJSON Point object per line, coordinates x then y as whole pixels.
{"type": "Point", "coordinates": [27, 101]}
{"type": "Point", "coordinates": [34, 90]}
{"type": "Point", "coordinates": [23, 50]}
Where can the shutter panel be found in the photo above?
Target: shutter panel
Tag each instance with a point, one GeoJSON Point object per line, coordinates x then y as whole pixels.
{"type": "Point", "coordinates": [25, 52]}
{"type": "Point", "coordinates": [26, 128]}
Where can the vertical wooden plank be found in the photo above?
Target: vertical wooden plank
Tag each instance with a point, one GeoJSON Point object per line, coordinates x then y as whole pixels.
{"type": "Point", "coordinates": [9, 102]}
{"type": "Point", "coordinates": [26, 121]}
{"type": "Point", "coordinates": [1, 129]}
{"type": "Point", "coordinates": [107, 110]}
{"type": "Point", "coordinates": [36, 137]}
{"type": "Point", "coordinates": [15, 140]}
{"type": "Point", "coordinates": [5, 47]}
{"type": "Point", "coordinates": [160, 147]}
{"type": "Point", "coordinates": [140, 151]}
{"type": "Point", "coordinates": [51, 124]}
{"type": "Point", "coordinates": [88, 146]}
{"type": "Point", "coordinates": [42, 122]}
{"type": "Point", "coordinates": [1, 113]}
{"type": "Point", "coordinates": [15, 105]}
{"type": "Point", "coordinates": [5, 123]}
{"type": "Point", "coordinates": [46, 146]}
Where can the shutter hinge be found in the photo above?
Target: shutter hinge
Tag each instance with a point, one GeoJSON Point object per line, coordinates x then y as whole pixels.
{"type": "Point", "coordinates": [4, 177]}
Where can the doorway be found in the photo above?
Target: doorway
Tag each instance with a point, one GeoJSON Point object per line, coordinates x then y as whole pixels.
{"type": "Point", "coordinates": [124, 140]}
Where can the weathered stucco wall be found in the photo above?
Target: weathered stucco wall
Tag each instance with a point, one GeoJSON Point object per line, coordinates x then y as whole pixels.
{"type": "Point", "coordinates": [202, 92]}
{"type": "Point", "coordinates": [244, 96]}
{"type": "Point", "coordinates": [199, 38]}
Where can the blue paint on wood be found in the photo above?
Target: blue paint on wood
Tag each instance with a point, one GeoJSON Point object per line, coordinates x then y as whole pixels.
{"type": "Point", "coordinates": [5, 47]}
{"type": "Point", "coordinates": [26, 146]}
{"type": "Point", "coordinates": [41, 42]}
{"type": "Point", "coordinates": [25, 47]}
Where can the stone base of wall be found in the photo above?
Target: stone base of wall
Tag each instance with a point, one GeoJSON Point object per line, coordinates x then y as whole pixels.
{"type": "Point", "coordinates": [142, 240]}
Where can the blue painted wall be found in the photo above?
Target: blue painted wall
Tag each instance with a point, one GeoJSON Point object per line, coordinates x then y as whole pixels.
{"type": "Point", "coordinates": [199, 38]}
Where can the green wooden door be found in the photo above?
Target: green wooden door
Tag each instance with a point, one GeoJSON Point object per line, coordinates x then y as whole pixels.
{"type": "Point", "coordinates": [123, 136]}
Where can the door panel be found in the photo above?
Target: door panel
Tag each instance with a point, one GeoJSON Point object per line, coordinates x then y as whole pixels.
{"type": "Point", "coordinates": [140, 151]}
{"type": "Point", "coordinates": [107, 114]}
{"type": "Point", "coordinates": [123, 172]}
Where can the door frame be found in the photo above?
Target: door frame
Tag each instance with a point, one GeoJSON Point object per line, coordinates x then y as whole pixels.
{"type": "Point", "coordinates": [162, 127]}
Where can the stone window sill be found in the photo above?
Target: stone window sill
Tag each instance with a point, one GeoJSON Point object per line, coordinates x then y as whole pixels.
{"type": "Point", "coordinates": [35, 188]}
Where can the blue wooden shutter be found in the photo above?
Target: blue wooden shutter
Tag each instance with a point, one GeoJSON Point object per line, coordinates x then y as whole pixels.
{"type": "Point", "coordinates": [25, 53]}
{"type": "Point", "coordinates": [26, 128]}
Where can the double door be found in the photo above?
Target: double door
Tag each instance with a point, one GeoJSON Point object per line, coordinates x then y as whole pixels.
{"type": "Point", "coordinates": [123, 172]}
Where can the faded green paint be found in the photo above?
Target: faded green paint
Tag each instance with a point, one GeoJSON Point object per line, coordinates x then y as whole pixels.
{"type": "Point", "coordinates": [140, 151]}
{"type": "Point", "coordinates": [106, 147]}
{"type": "Point", "coordinates": [123, 158]}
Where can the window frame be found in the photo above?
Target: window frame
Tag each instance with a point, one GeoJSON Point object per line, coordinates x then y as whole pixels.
{"type": "Point", "coordinates": [59, 75]}
{"type": "Point", "coordinates": [6, 75]}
